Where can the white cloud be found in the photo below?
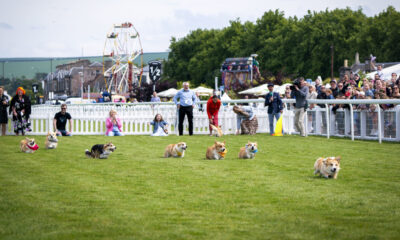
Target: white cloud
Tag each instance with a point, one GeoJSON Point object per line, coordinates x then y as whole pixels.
{"type": "Point", "coordinates": [6, 26]}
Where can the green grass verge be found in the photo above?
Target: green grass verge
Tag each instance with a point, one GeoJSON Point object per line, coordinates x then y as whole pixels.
{"type": "Point", "coordinates": [137, 194]}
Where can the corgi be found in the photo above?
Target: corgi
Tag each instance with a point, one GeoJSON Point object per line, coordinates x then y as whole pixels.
{"type": "Point", "coordinates": [101, 151]}
{"type": "Point", "coordinates": [327, 167]}
{"type": "Point", "coordinates": [175, 150]}
{"type": "Point", "coordinates": [216, 130]}
{"type": "Point", "coordinates": [51, 140]}
{"type": "Point", "coordinates": [216, 151]}
{"type": "Point", "coordinates": [28, 145]}
{"type": "Point", "coordinates": [249, 151]}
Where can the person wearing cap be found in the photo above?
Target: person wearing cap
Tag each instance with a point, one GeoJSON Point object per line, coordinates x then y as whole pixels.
{"type": "Point", "coordinates": [213, 105]}
{"type": "Point", "coordinates": [335, 90]}
{"type": "Point", "coordinates": [20, 107]}
{"type": "Point", "coordinates": [275, 107]}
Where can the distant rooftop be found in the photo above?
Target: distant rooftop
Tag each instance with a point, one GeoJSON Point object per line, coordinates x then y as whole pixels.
{"type": "Point", "coordinates": [29, 67]}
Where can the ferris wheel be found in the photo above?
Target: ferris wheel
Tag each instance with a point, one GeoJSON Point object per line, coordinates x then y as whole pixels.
{"type": "Point", "coordinates": [122, 50]}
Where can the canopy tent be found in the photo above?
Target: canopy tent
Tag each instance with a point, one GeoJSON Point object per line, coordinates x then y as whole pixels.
{"type": "Point", "coordinates": [202, 91]}
{"type": "Point", "coordinates": [281, 89]}
{"type": "Point", "coordinates": [266, 91]}
{"type": "Point", "coordinates": [225, 97]}
{"type": "Point", "coordinates": [263, 90]}
{"type": "Point", "coordinates": [387, 72]}
{"type": "Point", "coordinates": [168, 93]}
{"type": "Point", "coordinates": [256, 90]}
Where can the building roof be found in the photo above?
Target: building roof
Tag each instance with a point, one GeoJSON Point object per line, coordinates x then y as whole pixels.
{"type": "Point", "coordinates": [96, 64]}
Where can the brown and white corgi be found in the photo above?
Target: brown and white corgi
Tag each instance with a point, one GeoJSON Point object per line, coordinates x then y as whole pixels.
{"type": "Point", "coordinates": [249, 151]}
{"type": "Point", "coordinates": [28, 145]}
{"type": "Point", "coordinates": [175, 150]}
{"type": "Point", "coordinates": [216, 130]}
{"type": "Point", "coordinates": [216, 151]}
{"type": "Point", "coordinates": [327, 167]}
{"type": "Point", "coordinates": [51, 140]}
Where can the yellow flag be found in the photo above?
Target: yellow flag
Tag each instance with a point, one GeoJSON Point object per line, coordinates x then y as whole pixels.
{"type": "Point", "coordinates": [278, 127]}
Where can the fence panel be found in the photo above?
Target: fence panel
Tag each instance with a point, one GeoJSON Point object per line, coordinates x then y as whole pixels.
{"type": "Point", "coordinates": [365, 123]}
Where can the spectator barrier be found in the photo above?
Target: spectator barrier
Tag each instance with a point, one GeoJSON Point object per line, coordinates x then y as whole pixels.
{"type": "Point", "coordinates": [372, 123]}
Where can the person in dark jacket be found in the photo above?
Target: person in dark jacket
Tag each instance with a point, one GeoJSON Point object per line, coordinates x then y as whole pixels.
{"type": "Point", "coordinates": [275, 107]}
{"type": "Point", "coordinates": [3, 111]}
{"type": "Point", "coordinates": [322, 95]}
{"type": "Point", "coordinates": [335, 90]}
{"type": "Point", "coordinates": [20, 107]}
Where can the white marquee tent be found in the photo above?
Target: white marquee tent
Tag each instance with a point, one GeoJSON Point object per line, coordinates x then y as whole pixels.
{"type": "Point", "coordinates": [168, 93]}
{"type": "Point", "coordinates": [225, 97]}
{"type": "Point", "coordinates": [387, 72]}
{"type": "Point", "coordinates": [263, 90]}
{"type": "Point", "coordinates": [203, 91]}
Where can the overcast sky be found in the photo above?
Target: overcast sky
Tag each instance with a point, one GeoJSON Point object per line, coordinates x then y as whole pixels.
{"type": "Point", "coordinates": [55, 28]}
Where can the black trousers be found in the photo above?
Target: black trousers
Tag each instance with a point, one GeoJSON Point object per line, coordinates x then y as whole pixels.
{"type": "Point", "coordinates": [182, 112]}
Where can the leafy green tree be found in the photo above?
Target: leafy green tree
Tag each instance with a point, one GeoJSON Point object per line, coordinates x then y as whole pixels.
{"type": "Point", "coordinates": [286, 46]}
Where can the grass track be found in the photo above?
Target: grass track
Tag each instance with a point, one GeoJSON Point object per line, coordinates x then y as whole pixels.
{"type": "Point", "coordinates": [137, 194]}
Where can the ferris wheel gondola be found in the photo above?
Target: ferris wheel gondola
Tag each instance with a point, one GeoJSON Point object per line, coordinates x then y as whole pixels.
{"type": "Point", "coordinates": [122, 59]}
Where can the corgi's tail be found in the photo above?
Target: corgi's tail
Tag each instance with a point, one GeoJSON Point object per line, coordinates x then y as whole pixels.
{"type": "Point", "coordinates": [88, 153]}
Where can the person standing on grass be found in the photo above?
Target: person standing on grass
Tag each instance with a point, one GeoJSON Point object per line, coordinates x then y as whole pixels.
{"type": "Point", "coordinates": [20, 107]}
{"type": "Point", "coordinates": [60, 120]}
{"type": "Point", "coordinates": [3, 111]}
{"type": "Point", "coordinates": [213, 105]}
{"type": "Point", "coordinates": [301, 93]}
{"type": "Point", "coordinates": [275, 106]}
{"type": "Point", "coordinates": [187, 101]}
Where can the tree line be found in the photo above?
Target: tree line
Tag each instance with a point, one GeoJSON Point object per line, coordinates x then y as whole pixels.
{"type": "Point", "coordinates": [286, 46]}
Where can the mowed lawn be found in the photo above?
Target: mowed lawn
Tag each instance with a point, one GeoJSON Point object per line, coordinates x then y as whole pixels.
{"type": "Point", "coordinates": [138, 194]}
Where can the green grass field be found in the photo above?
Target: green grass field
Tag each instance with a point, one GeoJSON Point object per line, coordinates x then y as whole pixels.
{"type": "Point", "coordinates": [137, 194]}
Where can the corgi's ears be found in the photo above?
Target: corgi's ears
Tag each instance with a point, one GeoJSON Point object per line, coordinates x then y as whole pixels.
{"type": "Point", "coordinates": [224, 142]}
{"type": "Point", "coordinates": [338, 158]}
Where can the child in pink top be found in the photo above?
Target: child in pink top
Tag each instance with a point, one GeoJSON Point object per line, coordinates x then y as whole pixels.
{"type": "Point", "coordinates": [113, 125]}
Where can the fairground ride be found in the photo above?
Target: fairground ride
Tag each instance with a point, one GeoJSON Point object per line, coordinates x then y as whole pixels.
{"type": "Point", "coordinates": [122, 59]}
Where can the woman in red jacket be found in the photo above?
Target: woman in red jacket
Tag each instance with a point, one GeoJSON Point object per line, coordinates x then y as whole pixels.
{"type": "Point", "coordinates": [213, 105]}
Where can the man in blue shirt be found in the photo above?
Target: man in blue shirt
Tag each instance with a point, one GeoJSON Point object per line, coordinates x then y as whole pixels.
{"type": "Point", "coordinates": [275, 106]}
{"type": "Point", "coordinates": [155, 98]}
{"type": "Point", "coordinates": [187, 100]}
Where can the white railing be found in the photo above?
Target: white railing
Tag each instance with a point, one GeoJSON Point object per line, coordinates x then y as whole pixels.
{"type": "Point", "coordinates": [89, 119]}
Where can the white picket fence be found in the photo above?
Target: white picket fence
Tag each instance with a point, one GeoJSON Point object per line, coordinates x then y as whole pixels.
{"type": "Point", "coordinates": [89, 119]}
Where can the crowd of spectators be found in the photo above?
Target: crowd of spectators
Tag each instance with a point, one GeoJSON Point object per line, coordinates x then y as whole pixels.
{"type": "Point", "coordinates": [353, 87]}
